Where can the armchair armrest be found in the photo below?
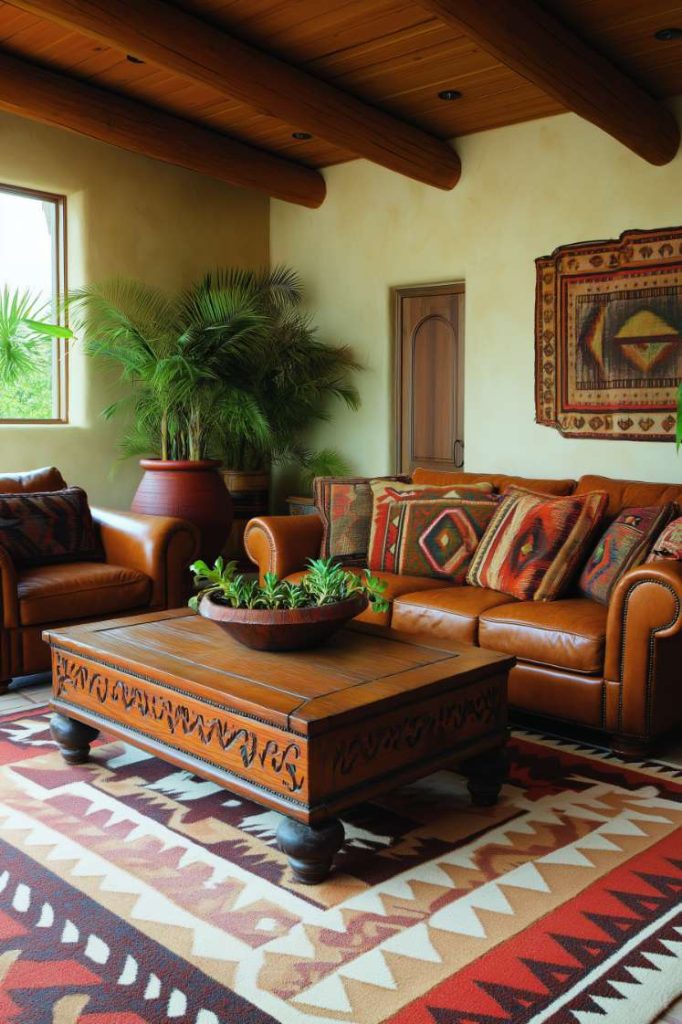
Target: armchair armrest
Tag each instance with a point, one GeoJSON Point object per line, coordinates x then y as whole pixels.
{"type": "Point", "coordinates": [160, 546]}
{"type": "Point", "coordinates": [9, 601]}
{"type": "Point", "coordinates": [282, 544]}
{"type": "Point", "coordinates": [643, 666]}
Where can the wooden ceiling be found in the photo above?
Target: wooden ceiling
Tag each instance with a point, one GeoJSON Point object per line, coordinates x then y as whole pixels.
{"type": "Point", "coordinates": [392, 55]}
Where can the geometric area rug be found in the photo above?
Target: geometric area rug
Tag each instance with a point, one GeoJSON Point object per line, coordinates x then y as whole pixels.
{"type": "Point", "coordinates": [134, 893]}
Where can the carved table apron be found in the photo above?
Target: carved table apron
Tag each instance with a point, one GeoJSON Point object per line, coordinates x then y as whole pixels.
{"type": "Point", "coordinates": [307, 733]}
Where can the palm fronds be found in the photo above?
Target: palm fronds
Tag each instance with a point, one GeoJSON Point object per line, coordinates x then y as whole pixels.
{"type": "Point", "coordinates": [231, 367]}
{"type": "Point", "coordinates": [24, 331]}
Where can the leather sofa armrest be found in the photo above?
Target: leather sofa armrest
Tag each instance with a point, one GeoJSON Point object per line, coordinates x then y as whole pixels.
{"type": "Point", "coordinates": [643, 664]}
{"type": "Point", "coordinates": [282, 544]}
{"type": "Point", "coordinates": [160, 546]}
{"type": "Point", "coordinates": [9, 601]}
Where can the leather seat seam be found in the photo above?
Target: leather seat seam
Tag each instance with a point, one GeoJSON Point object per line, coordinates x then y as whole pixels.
{"type": "Point", "coordinates": [81, 590]}
{"type": "Point", "coordinates": [545, 629]}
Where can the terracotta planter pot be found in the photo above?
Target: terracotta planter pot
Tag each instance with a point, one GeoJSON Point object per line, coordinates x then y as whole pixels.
{"type": "Point", "coordinates": [286, 629]}
{"type": "Point", "coordinates": [190, 490]}
{"type": "Point", "coordinates": [250, 493]}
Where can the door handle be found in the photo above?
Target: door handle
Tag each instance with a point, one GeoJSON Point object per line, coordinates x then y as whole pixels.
{"type": "Point", "coordinates": [458, 453]}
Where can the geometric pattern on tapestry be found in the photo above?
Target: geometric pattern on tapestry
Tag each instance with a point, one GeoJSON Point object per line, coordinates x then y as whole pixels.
{"type": "Point", "coordinates": [534, 546]}
{"type": "Point", "coordinates": [624, 545]}
{"type": "Point", "coordinates": [48, 527]}
{"type": "Point", "coordinates": [669, 544]}
{"type": "Point", "coordinates": [435, 538]}
{"type": "Point", "coordinates": [608, 336]}
{"type": "Point", "coordinates": [134, 893]}
{"type": "Point", "coordinates": [382, 532]}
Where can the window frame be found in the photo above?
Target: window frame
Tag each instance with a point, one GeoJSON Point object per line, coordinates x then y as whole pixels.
{"type": "Point", "coordinates": [60, 286]}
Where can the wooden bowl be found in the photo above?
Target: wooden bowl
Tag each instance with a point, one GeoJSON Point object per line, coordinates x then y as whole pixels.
{"type": "Point", "coordinates": [285, 629]}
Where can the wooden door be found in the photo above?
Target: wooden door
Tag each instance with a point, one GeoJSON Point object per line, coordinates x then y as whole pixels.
{"type": "Point", "coordinates": [430, 377]}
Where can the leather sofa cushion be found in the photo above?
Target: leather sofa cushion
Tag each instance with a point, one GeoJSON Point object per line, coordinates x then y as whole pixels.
{"type": "Point", "coordinates": [448, 478]}
{"type": "Point", "coordinates": [451, 613]}
{"type": "Point", "coordinates": [79, 590]}
{"type": "Point", "coordinates": [396, 585]}
{"type": "Point", "coordinates": [569, 633]}
{"type": "Point", "coordinates": [623, 493]}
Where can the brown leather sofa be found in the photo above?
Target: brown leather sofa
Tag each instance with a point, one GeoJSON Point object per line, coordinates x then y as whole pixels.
{"type": "Point", "coordinates": [615, 669]}
{"type": "Point", "coordinates": [145, 568]}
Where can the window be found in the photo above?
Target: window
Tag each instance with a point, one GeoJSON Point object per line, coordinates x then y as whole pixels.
{"type": "Point", "coordinates": [32, 261]}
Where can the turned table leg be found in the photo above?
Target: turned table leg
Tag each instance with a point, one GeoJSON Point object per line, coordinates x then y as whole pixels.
{"type": "Point", "coordinates": [73, 738]}
{"type": "Point", "coordinates": [310, 848]}
{"type": "Point", "coordinates": [485, 775]}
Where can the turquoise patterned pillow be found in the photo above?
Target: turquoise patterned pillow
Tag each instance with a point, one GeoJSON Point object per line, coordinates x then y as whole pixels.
{"type": "Point", "coordinates": [625, 544]}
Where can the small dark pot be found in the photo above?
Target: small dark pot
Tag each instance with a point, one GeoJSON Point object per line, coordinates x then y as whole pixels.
{"type": "Point", "coordinates": [190, 490]}
{"type": "Point", "coordinates": [286, 629]}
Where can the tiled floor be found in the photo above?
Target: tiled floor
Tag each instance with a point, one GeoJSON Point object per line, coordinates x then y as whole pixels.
{"type": "Point", "coordinates": [24, 694]}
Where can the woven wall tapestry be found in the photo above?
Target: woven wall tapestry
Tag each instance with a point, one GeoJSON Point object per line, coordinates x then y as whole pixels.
{"type": "Point", "coordinates": [608, 337]}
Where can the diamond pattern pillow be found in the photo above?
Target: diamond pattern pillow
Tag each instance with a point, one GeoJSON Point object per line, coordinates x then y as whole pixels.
{"type": "Point", "coordinates": [46, 527]}
{"type": "Point", "coordinates": [345, 507]}
{"type": "Point", "coordinates": [669, 543]}
{"type": "Point", "coordinates": [622, 546]}
{"type": "Point", "coordinates": [533, 546]}
{"type": "Point", "coordinates": [435, 538]}
{"type": "Point", "coordinates": [385, 493]}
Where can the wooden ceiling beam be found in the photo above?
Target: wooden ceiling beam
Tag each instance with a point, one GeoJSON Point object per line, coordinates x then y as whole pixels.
{"type": "Point", "coordinates": [56, 99]}
{"type": "Point", "coordinates": [171, 38]}
{"type": "Point", "coordinates": [529, 39]}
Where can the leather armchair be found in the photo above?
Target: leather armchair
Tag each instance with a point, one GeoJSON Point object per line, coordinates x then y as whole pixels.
{"type": "Point", "coordinates": [144, 569]}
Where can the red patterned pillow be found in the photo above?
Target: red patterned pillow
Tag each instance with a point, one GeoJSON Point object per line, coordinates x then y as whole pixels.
{"type": "Point", "coordinates": [46, 527]}
{"type": "Point", "coordinates": [622, 546]}
{"type": "Point", "coordinates": [434, 537]}
{"type": "Point", "coordinates": [669, 543]}
{"type": "Point", "coordinates": [345, 507]}
{"type": "Point", "coordinates": [385, 493]}
{"type": "Point", "coordinates": [533, 546]}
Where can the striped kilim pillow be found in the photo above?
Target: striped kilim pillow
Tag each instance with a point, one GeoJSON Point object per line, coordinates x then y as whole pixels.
{"type": "Point", "coordinates": [623, 545]}
{"type": "Point", "coordinates": [434, 538]}
{"type": "Point", "coordinates": [534, 546]}
{"type": "Point", "coordinates": [385, 493]}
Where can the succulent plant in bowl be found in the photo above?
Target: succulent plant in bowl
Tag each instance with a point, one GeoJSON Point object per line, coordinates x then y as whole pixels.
{"type": "Point", "coordinates": [280, 615]}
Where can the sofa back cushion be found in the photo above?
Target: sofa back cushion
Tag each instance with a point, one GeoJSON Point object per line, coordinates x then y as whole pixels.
{"type": "Point", "coordinates": [46, 479]}
{"type": "Point", "coordinates": [344, 505]}
{"type": "Point", "coordinates": [499, 481]}
{"type": "Point", "coordinates": [47, 527]}
{"type": "Point", "coordinates": [624, 544]}
{"type": "Point", "coordinates": [625, 493]}
{"type": "Point", "coordinates": [534, 546]}
{"type": "Point", "coordinates": [435, 537]}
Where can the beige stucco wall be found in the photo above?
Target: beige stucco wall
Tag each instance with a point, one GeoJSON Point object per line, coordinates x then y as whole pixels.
{"type": "Point", "coordinates": [126, 216]}
{"type": "Point", "coordinates": [524, 190]}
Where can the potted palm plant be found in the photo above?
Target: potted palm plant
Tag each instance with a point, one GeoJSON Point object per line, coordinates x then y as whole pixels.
{"type": "Point", "coordinates": [183, 359]}
{"type": "Point", "coordinates": [291, 385]}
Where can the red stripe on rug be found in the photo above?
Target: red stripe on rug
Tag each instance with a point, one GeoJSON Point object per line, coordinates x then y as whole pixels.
{"type": "Point", "coordinates": [562, 947]}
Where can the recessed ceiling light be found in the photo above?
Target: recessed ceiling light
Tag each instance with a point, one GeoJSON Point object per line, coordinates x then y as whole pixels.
{"type": "Point", "coordinates": [134, 60]}
{"type": "Point", "coordinates": [666, 34]}
{"type": "Point", "coordinates": [301, 135]}
{"type": "Point", "coordinates": [449, 94]}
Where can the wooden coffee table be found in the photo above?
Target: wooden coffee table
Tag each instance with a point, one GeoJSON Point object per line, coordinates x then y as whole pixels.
{"type": "Point", "coordinates": [307, 733]}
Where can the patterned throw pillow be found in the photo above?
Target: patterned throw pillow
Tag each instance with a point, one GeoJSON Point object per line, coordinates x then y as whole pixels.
{"type": "Point", "coordinates": [669, 544]}
{"type": "Point", "coordinates": [622, 546]}
{"type": "Point", "coordinates": [345, 507]}
{"type": "Point", "coordinates": [385, 493]}
{"type": "Point", "coordinates": [46, 527]}
{"type": "Point", "coordinates": [533, 546]}
{"type": "Point", "coordinates": [434, 537]}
